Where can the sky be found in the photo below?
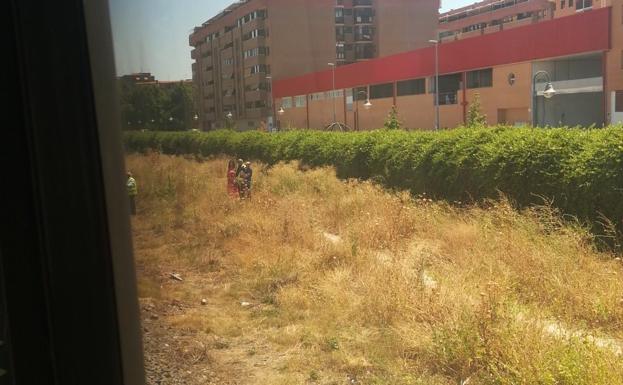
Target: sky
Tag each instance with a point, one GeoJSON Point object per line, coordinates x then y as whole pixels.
{"type": "Point", "coordinates": [152, 35]}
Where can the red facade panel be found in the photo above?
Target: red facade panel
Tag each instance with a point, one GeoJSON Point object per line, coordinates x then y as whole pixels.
{"type": "Point", "coordinates": [548, 39]}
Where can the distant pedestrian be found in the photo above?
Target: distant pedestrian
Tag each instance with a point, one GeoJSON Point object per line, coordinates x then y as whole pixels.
{"type": "Point", "coordinates": [239, 166]}
{"type": "Point", "coordinates": [232, 185]}
{"type": "Point", "coordinates": [246, 173]}
{"type": "Point", "coordinates": [132, 192]}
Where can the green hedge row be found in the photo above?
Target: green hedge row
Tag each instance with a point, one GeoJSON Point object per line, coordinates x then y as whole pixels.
{"type": "Point", "coordinates": [581, 171]}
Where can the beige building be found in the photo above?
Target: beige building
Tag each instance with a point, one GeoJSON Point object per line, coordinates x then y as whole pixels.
{"type": "Point", "coordinates": [239, 52]}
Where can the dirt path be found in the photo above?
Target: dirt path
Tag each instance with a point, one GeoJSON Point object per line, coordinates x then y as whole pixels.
{"type": "Point", "coordinates": [185, 355]}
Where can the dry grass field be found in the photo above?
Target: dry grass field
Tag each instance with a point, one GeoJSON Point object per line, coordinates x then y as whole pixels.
{"type": "Point", "coordinates": [315, 280]}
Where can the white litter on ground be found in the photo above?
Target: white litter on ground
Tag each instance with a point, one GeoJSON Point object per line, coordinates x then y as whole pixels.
{"type": "Point", "coordinates": [335, 239]}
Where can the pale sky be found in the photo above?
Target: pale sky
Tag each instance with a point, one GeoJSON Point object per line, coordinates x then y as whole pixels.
{"type": "Point", "coordinates": [152, 35]}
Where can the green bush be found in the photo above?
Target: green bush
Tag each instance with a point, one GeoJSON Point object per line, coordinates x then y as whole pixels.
{"type": "Point", "coordinates": [580, 171]}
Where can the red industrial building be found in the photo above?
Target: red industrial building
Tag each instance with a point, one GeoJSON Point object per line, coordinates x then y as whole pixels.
{"type": "Point", "coordinates": [578, 44]}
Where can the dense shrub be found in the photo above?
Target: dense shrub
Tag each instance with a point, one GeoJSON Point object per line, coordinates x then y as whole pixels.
{"type": "Point", "coordinates": [580, 171]}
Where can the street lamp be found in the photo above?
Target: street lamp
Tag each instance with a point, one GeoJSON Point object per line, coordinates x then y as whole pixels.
{"type": "Point", "coordinates": [335, 123]}
{"type": "Point", "coordinates": [333, 90]}
{"type": "Point", "coordinates": [229, 115]}
{"type": "Point", "coordinates": [281, 111]}
{"type": "Point", "coordinates": [548, 92]}
{"type": "Point", "coordinates": [367, 105]}
{"type": "Point", "coordinates": [436, 42]}
{"type": "Point", "coordinates": [270, 105]}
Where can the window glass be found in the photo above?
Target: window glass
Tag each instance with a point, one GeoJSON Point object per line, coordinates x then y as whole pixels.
{"type": "Point", "coordinates": [411, 87]}
{"type": "Point", "coordinates": [480, 78]}
{"type": "Point", "coordinates": [379, 91]}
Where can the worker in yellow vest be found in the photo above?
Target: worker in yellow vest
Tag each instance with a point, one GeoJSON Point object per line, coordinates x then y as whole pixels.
{"type": "Point", "coordinates": [132, 192]}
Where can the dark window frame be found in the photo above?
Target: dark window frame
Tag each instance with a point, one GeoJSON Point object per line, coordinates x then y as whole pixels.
{"type": "Point", "coordinates": [411, 87]}
{"type": "Point", "coordinates": [381, 91]}
{"type": "Point", "coordinates": [482, 78]}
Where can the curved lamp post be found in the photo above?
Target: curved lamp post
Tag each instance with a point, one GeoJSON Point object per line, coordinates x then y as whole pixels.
{"type": "Point", "coordinates": [335, 125]}
{"type": "Point", "coordinates": [548, 92]}
{"type": "Point", "coordinates": [367, 105]}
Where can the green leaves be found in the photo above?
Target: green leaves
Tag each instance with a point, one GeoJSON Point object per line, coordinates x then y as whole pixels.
{"type": "Point", "coordinates": [579, 170]}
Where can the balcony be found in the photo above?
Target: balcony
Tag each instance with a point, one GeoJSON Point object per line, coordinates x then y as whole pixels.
{"type": "Point", "coordinates": [254, 60]}
{"type": "Point", "coordinates": [364, 19]}
{"type": "Point", "coordinates": [364, 37]}
{"type": "Point", "coordinates": [362, 3]}
{"type": "Point", "coordinates": [254, 43]}
{"type": "Point", "coordinates": [258, 23]}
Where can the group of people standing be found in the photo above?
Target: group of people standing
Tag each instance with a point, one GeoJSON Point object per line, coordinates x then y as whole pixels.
{"type": "Point", "coordinates": [239, 175]}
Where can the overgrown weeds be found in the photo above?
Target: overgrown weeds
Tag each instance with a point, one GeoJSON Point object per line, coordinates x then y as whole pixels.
{"type": "Point", "coordinates": [348, 280]}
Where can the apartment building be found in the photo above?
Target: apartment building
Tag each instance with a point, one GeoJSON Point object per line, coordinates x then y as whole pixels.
{"type": "Point", "coordinates": [577, 43]}
{"type": "Point", "coordinates": [239, 52]}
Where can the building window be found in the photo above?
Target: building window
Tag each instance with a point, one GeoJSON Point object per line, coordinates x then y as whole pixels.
{"type": "Point", "coordinates": [364, 33]}
{"type": "Point", "coordinates": [480, 78]}
{"type": "Point", "coordinates": [259, 51]}
{"type": "Point", "coordinates": [379, 91]}
{"type": "Point", "coordinates": [562, 4]}
{"type": "Point", "coordinates": [259, 69]}
{"type": "Point", "coordinates": [364, 51]}
{"type": "Point", "coordinates": [583, 4]}
{"type": "Point", "coordinates": [300, 101]}
{"type": "Point", "coordinates": [255, 34]}
{"type": "Point", "coordinates": [286, 102]}
{"type": "Point", "coordinates": [618, 103]}
{"type": "Point", "coordinates": [228, 61]}
{"type": "Point", "coordinates": [364, 15]}
{"type": "Point", "coordinates": [317, 96]}
{"type": "Point", "coordinates": [339, 15]}
{"type": "Point", "coordinates": [339, 50]}
{"type": "Point", "coordinates": [335, 94]}
{"type": "Point", "coordinates": [411, 87]}
{"type": "Point", "coordinates": [570, 3]}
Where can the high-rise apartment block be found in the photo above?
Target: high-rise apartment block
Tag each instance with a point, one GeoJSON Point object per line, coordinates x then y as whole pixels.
{"type": "Point", "coordinates": [239, 52]}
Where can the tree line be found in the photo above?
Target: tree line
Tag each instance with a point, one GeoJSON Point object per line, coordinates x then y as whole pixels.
{"type": "Point", "coordinates": [157, 107]}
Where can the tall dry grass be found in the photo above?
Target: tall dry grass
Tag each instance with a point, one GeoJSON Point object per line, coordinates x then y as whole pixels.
{"type": "Point", "coordinates": [347, 279]}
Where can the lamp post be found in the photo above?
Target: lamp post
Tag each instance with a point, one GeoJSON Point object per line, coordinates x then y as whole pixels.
{"type": "Point", "coordinates": [436, 42]}
{"type": "Point", "coordinates": [270, 105]}
{"type": "Point", "coordinates": [367, 105]}
{"type": "Point", "coordinates": [333, 91]}
{"type": "Point", "coordinates": [335, 124]}
{"type": "Point", "coordinates": [548, 92]}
